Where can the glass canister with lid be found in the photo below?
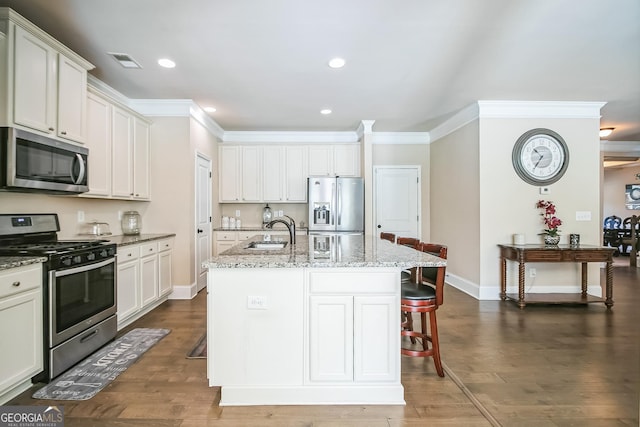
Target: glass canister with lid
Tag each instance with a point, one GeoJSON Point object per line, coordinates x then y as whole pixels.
{"type": "Point", "coordinates": [131, 223]}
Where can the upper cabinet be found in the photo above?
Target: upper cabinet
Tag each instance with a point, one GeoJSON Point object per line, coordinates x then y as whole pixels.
{"type": "Point", "coordinates": [334, 160]}
{"type": "Point", "coordinates": [45, 82]}
{"type": "Point", "coordinates": [119, 150]}
{"type": "Point", "coordinates": [252, 173]}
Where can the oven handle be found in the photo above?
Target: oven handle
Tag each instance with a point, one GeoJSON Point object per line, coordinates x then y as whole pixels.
{"type": "Point", "coordinates": [84, 268]}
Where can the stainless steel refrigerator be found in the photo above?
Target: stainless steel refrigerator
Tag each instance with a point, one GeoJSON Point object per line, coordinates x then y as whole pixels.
{"type": "Point", "coordinates": [336, 205]}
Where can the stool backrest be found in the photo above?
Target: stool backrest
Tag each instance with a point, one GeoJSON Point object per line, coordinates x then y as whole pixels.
{"type": "Point", "coordinates": [388, 236]}
{"type": "Point", "coordinates": [612, 222]}
{"type": "Point", "coordinates": [408, 241]}
{"type": "Point", "coordinates": [434, 276]}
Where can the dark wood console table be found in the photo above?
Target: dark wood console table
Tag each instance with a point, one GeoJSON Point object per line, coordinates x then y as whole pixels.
{"type": "Point", "coordinates": [561, 253]}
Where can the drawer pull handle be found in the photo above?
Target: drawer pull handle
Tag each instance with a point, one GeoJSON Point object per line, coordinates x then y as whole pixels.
{"type": "Point", "coordinates": [16, 284]}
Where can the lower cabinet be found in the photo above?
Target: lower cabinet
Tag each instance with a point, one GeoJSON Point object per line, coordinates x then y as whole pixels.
{"type": "Point", "coordinates": [226, 239]}
{"type": "Point", "coordinates": [144, 278]}
{"type": "Point", "coordinates": [21, 329]}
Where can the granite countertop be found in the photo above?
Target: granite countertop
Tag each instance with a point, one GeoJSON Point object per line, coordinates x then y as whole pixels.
{"type": "Point", "coordinates": [7, 262]}
{"type": "Point", "coordinates": [124, 240]}
{"type": "Point", "coordinates": [325, 251]}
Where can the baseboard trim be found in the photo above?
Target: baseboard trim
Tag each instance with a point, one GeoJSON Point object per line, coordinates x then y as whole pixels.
{"type": "Point", "coordinates": [184, 291]}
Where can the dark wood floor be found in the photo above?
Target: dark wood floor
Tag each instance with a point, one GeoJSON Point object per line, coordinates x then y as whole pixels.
{"type": "Point", "coordinates": [542, 366]}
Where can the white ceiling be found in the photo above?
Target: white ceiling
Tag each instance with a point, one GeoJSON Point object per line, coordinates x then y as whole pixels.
{"type": "Point", "coordinates": [410, 63]}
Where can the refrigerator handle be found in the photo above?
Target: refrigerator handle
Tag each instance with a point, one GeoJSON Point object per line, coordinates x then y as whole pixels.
{"type": "Point", "coordinates": [339, 204]}
{"type": "Point", "coordinates": [334, 200]}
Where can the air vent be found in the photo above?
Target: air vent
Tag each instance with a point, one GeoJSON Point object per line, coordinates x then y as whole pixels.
{"type": "Point", "coordinates": [125, 60]}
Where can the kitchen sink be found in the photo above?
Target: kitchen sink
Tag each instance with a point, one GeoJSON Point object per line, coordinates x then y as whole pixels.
{"type": "Point", "coordinates": [267, 245]}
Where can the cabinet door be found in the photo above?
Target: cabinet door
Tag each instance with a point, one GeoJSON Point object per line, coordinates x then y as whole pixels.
{"type": "Point", "coordinates": [331, 338]}
{"type": "Point", "coordinates": [251, 174]}
{"type": "Point", "coordinates": [376, 320]}
{"type": "Point", "coordinates": [272, 174]}
{"type": "Point", "coordinates": [141, 155]}
{"type": "Point", "coordinates": [223, 246]}
{"type": "Point", "coordinates": [99, 145]}
{"type": "Point", "coordinates": [128, 289]}
{"type": "Point", "coordinates": [229, 167]}
{"type": "Point", "coordinates": [72, 100]}
{"type": "Point", "coordinates": [346, 160]}
{"type": "Point", "coordinates": [164, 272]}
{"type": "Point", "coordinates": [34, 100]}
{"type": "Point", "coordinates": [122, 154]}
{"type": "Point", "coordinates": [22, 337]}
{"type": "Point", "coordinates": [149, 279]}
{"type": "Point", "coordinates": [320, 160]}
{"type": "Point", "coordinates": [296, 174]}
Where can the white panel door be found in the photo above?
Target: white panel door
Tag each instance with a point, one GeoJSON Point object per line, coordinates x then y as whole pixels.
{"type": "Point", "coordinates": [397, 200]}
{"type": "Point", "coordinates": [331, 338]}
{"type": "Point", "coordinates": [203, 217]}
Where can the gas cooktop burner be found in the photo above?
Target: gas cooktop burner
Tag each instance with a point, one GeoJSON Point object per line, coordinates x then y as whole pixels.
{"type": "Point", "coordinates": [53, 247]}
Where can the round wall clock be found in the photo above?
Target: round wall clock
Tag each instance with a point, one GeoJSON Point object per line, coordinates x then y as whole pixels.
{"type": "Point", "coordinates": [540, 157]}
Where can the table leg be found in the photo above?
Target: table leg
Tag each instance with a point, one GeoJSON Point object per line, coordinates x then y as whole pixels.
{"type": "Point", "coordinates": [609, 287]}
{"type": "Point", "coordinates": [503, 279]}
{"type": "Point", "coordinates": [584, 280]}
{"type": "Point", "coordinates": [521, 302]}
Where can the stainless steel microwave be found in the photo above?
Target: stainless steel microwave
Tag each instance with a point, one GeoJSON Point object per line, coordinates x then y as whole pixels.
{"type": "Point", "coordinates": [34, 163]}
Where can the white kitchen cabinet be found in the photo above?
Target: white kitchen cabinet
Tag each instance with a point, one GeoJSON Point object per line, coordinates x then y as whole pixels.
{"type": "Point", "coordinates": [225, 239]}
{"type": "Point", "coordinates": [334, 160]}
{"type": "Point", "coordinates": [273, 173]}
{"type": "Point", "coordinates": [295, 173]}
{"type": "Point", "coordinates": [21, 328]}
{"type": "Point", "coordinates": [230, 177]}
{"type": "Point", "coordinates": [99, 145]}
{"type": "Point", "coordinates": [353, 328]}
{"type": "Point", "coordinates": [251, 174]}
{"type": "Point", "coordinates": [47, 81]}
{"type": "Point", "coordinates": [148, 272]}
{"type": "Point", "coordinates": [144, 278]}
{"type": "Point", "coordinates": [119, 150]}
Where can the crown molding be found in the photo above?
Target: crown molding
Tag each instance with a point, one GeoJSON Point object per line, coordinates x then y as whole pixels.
{"type": "Point", "coordinates": [538, 109]}
{"type": "Point", "coordinates": [290, 137]}
{"type": "Point", "coordinates": [455, 122]}
{"type": "Point", "coordinates": [401, 138]}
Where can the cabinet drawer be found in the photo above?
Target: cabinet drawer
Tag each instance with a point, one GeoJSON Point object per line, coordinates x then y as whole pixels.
{"type": "Point", "coordinates": [226, 235]}
{"type": "Point", "coordinates": [335, 282]}
{"type": "Point", "coordinates": [20, 279]}
{"type": "Point", "coordinates": [165, 245]}
{"type": "Point", "coordinates": [128, 253]}
{"type": "Point", "coordinates": [148, 248]}
{"type": "Point", "coordinates": [246, 235]}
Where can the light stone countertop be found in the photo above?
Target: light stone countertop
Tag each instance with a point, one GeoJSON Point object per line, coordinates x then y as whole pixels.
{"type": "Point", "coordinates": [124, 240]}
{"type": "Point", "coordinates": [325, 251]}
{"type": "Point", "coordinates": [7, 262]}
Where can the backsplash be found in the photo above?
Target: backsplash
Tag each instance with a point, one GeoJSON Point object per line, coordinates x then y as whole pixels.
{"type": "Point", "coordinates": [251, 213]}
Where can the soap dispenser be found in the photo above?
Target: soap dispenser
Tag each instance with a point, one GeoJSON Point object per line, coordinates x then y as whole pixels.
{"type": "Point", "coordinates": [266, 214]}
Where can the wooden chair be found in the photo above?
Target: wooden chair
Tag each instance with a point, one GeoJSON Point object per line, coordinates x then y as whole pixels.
{"type": "Point", "coordinates": [408, 275]}
{"type": "Point", "coordinates": [612, 222]}
{"type": "Point", "coordinates": [423, 298]}
{"type": "Point", "coordinates": [388, 236]}
{"type": "Point", "coordinates": [632, 240]}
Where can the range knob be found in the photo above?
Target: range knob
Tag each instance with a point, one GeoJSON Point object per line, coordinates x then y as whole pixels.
{"type": "Point", "coordinates": [103, 253]}
{"type": "Point", "coordinates": [91, 256]}
{"type": "Point", "coordinates": [77, 259]}
{"type": "Point", "coordinates": [66, 261]}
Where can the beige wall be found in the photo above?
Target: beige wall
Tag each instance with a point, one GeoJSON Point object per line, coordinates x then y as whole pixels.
{"type": "Point", "coordinates": [409, 155]}
{"type": "Point", "coordinates": [613, 200]}
{"type": "Point", "coordinates": [455, 201]}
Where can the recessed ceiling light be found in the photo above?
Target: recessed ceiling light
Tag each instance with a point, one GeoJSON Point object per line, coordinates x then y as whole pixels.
{"type": "Point", "coordinates": [166, 63]}
{"type": "Point", "coordinates": [209, 109]}
{"type": "Point", "coordinates": [325, 111]}
{"type": "Point", "coordinates": [125, 60]}
{"type": "Point", "coordinates": [337, 63]}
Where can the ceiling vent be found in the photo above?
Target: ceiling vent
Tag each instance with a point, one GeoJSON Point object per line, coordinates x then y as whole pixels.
{"type": "Point", "coordinates": [125, 60]}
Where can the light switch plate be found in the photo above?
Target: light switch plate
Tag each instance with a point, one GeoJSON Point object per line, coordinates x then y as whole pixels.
{"type": "Point", "coordinates": [80, 216]}
{"type": "Point", "coordinates": [545, 190]}
{"type": "Point", "coordinates": [256, 302]}
{"type": "Point", "coordinates": [583, 215]}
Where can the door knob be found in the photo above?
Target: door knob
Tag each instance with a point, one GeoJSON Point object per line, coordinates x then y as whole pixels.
{"type": "Point", "coordinates": [199, 230]}
{"type": "Point", "coordinates": [379, 226]}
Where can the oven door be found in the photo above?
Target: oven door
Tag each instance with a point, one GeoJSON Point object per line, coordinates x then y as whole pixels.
{"type": "Point", "coordinates": [79, 298]}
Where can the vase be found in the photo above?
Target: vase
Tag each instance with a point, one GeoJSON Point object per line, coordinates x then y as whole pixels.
{"type": "Point", "coordinates": [551, 240]}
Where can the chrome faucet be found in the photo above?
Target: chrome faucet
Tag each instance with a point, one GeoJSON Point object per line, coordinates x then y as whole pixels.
{"type": "Point", "coordinates": [290, 226]}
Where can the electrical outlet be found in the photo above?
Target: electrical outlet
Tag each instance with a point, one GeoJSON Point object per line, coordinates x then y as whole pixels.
{"type": "Point", "coordinates": [119, 215]}
{"type": "Point", "coordinates": [80, 216]}
{"type": "Point", "coordinates": [257, 302]}
{"type": "Point", "coordinates": [237, 212]}
{"type": "Point", "coordinates": [280, 213]}
{"type": "Point", "coordinates": [532, 272]}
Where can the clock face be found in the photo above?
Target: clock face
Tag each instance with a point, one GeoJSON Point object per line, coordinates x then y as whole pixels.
{"type": "Point", "coordinates": [540, 157]}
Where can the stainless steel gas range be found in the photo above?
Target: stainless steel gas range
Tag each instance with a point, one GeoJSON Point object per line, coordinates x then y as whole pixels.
{"type": "Point", "coordinates": [79, 288]}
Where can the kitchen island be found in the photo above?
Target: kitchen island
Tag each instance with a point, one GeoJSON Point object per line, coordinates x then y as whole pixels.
{"type": "Point", "coordinates": [313, 323]}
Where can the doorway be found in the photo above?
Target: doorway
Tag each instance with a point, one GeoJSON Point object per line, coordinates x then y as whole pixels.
{"type": "Point", "coordinates": [397, 200]}
{"type": "Point", "coordinates": [203, 217]}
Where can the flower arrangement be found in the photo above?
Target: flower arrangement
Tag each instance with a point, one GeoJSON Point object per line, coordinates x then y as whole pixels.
{"type": "Point", "coordinates": [551, 221]}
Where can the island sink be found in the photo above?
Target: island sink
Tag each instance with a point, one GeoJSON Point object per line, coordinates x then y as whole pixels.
{"type": "Point", "coordinates": [266, 245]}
